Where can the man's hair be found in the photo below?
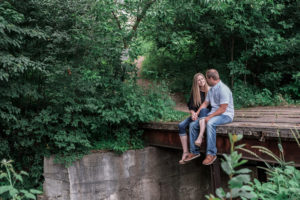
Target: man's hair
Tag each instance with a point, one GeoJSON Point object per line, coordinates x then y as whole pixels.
{"type": "Point", "coordinates": [212, 73]}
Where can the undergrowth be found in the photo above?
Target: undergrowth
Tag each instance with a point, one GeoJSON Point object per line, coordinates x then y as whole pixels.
{"type": "Point", "coordinates": [283, 178]}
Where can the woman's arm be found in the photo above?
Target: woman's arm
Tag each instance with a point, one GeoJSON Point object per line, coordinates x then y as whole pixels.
{"type": "Point", "coordinates": [203, 105]}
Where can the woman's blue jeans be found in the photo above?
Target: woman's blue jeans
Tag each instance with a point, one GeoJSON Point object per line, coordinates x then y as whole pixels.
{"type": "Point", "coordinates": [194, 129]}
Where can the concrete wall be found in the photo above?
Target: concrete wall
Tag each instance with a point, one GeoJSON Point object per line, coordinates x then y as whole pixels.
{"type": "Point", "coordinates": [146, 174]}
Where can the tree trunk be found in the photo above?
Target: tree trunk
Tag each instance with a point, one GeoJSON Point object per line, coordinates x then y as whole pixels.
{"type": "Point", "coordinates": [232, 52]}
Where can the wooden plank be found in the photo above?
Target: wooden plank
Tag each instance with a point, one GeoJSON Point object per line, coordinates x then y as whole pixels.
{"type": "Point", "coordinates": [246, 128]}
{"type": "Point", "coordinates": [268, 120]}
{"type": "Point", "coordinates": [168, 126]}
{"type": "Point", "coordinates": [243, 114]}
{"type": "Point", "coordinates": [294, 111]}
{"type": "Point", "coordinates": [262, 124]}
{"type": "Point", "coordinates": [256, 129]}
{"type": "Point", "coordinates": [297, 107]}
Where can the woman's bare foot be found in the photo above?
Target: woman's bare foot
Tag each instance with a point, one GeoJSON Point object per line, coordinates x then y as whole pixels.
{"type": "Point", "coordinates": [198, 142]}
{"type": "Point", "coordinates": [184, 156]}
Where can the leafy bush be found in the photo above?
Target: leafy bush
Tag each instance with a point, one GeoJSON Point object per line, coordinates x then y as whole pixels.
{"type": "Point", "coordinates": [63, 85]}
{"type": "Point", "coordinates": [247, 96]}
{"type": "Point", "coordinates": [239, 178]}
{"type": "Point", "coordinates": [161, 64]}
{"type": "Point", "coordinates": [293, 89]}
{"type": "Point", "coordinates": [283, 183]}
{"type": "Point", "coordinates": [283, 180]}
{"type": "Point", "coordinates": [11, 187]}
{"type": "Point", "coordinates": [256, 42]}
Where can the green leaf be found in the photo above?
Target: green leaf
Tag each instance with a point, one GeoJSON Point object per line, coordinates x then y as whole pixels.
{"type": "Point", "coordinates": [13, 191]}
{"type": "Point", "coordinates": [243, 171]}
{"type": "Point", "coordinates": [239, 180]}
{"type": "Point", "coordinates": [227, 167]}
{"type": "Point", "coordinates": [239, 137]}
{"type": "Point", "coordinates": [30, 196]}
{"type": "Point", "coordinates": [220, 193]}
{"type": "Point", "coordinates": [4, 189]}
{"type": "Point", "coordinates": [18, 177]}
{"type": "Point", "coordinates": [33, 191]}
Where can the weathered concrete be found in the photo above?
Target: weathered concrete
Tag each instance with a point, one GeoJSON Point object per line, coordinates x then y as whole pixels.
{"type": "Point", "coordinates": [150, 173]}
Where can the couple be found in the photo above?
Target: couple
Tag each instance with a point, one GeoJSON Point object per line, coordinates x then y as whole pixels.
{"type": "Point", "coordinates": [208, 107]}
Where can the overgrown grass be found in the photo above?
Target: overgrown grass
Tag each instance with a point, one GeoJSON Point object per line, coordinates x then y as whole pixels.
{"type": "Point", "coordinates": [173, 116]}
{"type": "Point", "coordinates": [249, 96]}
{"type": "Point", "coordinates": [283, 179]}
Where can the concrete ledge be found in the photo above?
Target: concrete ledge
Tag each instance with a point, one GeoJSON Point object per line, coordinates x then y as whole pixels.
{"type": "Point", "coordinates": [146, 174]}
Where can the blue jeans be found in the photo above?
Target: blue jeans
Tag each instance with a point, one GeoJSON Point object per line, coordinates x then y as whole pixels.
{"type": "Point", "coordinates": [194, 129]}
{"type": "Point", "coordinates": [211, 132]}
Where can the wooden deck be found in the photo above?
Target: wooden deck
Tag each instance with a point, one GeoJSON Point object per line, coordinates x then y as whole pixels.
{"type": "Point", "coordinates": [263, 126]}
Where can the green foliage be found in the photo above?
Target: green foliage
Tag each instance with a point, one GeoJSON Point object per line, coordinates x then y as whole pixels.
{"type": "Point", "coordinates": [11, 187]}
{"type": "Point", "coordinates": [239, 178]}
{"type": "Point", "coordinates": [63, 85]}
{"type": "Point", "coordinates": [251, 41]}
{"type": "Point", "coordinates": [248, 95]}
{"type": "Point", "coordinates": [283, 183]}
{"type": "Point", "coordinates": [294, 87]}
{"type": "Point", "coordinates": [283, 180]}
{"type": "Point", "coordinates": [162, 65]}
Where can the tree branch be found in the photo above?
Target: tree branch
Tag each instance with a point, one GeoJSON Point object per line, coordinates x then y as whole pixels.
{"type": "Point", "coordinates": [117, 20]}
{"type": "Point", "coordinates": [139, 18]}
{"type": "Point", "coordinates": [135, 25]}
{"type": "Point", "coordinates": [119, 26]}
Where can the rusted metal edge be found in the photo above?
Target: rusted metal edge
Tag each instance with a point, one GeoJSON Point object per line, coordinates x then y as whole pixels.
{"type": "Point", "coordinates": [267, 132]}
{"type": "Point", "coordinates": [172, 141]}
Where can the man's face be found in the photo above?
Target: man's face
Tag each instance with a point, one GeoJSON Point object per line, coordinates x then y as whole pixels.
{"type": "Point", "coordinates": [210, 81]}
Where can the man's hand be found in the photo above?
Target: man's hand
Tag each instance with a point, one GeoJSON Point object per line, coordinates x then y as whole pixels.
{"type": "Point", "coordinates": [207, 119]}
{"type": "Point", "coordinates": [220, 111]}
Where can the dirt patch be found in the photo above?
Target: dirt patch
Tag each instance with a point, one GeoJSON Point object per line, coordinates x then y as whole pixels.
{"type": "Point", "coordinates": [178, 98]}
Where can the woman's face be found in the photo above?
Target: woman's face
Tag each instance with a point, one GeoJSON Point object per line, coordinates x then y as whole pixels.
{"type": "Point", "coordinates": [201, 81]}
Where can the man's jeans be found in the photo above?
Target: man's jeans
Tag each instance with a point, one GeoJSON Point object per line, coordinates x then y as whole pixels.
{"type": "Point", "coordinates": [194, 129]}
{"type": "Point", "coordinates": [211, 132]}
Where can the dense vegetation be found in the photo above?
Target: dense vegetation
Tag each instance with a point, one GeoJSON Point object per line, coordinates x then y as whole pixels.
{"type": "Point", "coordinates": [283, 179]}
{"type": "Point", "coordinates": [66, 85]}
{"type": "Point", "coordinates": [255, 45]}
{"type": "Point", "coordinates": [63, 86]}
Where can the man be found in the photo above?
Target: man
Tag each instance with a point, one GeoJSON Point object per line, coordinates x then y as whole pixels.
{"type": "Point", "coordinates": [222, 112]}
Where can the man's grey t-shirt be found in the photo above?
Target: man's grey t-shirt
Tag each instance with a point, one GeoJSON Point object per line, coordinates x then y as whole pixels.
{"type": "Point", "coordinates": [220, 94]}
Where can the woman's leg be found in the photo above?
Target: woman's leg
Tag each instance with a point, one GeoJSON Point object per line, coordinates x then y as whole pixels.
{"type": "Point", "coordinates": [203, 113]}
{"type": "Point", "coordinates": [183, 138]}
{"type": "Point", "coordinates": [199, 140]}
{"type": "Point", "coordinates": [184, 143]}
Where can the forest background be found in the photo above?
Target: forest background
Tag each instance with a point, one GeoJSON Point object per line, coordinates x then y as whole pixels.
{"type": "Point", "coordinates": [65, 88]}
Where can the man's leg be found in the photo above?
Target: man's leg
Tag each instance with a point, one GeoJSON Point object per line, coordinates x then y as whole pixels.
{"type": "Point", "coordinates": [193, 133]}
{"type": "Point", "coordinates": [211, 149]}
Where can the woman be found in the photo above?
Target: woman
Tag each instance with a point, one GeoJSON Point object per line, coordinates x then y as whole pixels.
{"type": "Point", "coordinates": [198, 94]}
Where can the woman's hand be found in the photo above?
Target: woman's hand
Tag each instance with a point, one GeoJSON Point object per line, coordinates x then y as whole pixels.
{"type": "Point", "coordinates": [194, 115]}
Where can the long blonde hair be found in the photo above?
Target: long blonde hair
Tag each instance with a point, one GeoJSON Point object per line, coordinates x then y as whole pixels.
{"type": "Point", "coordinates": [196, 89]}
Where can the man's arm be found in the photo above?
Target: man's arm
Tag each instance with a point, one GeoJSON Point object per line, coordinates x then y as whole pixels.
{"type": "Point", "coordinates": [220, 111]}
{"type": "Point", "coordinates": [203, 105]}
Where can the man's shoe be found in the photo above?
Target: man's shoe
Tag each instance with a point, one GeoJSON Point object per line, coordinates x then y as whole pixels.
{"type": "Point", "coordinates": [191, 156]}
{"type": "Point", "coordinates": [209, 159]}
